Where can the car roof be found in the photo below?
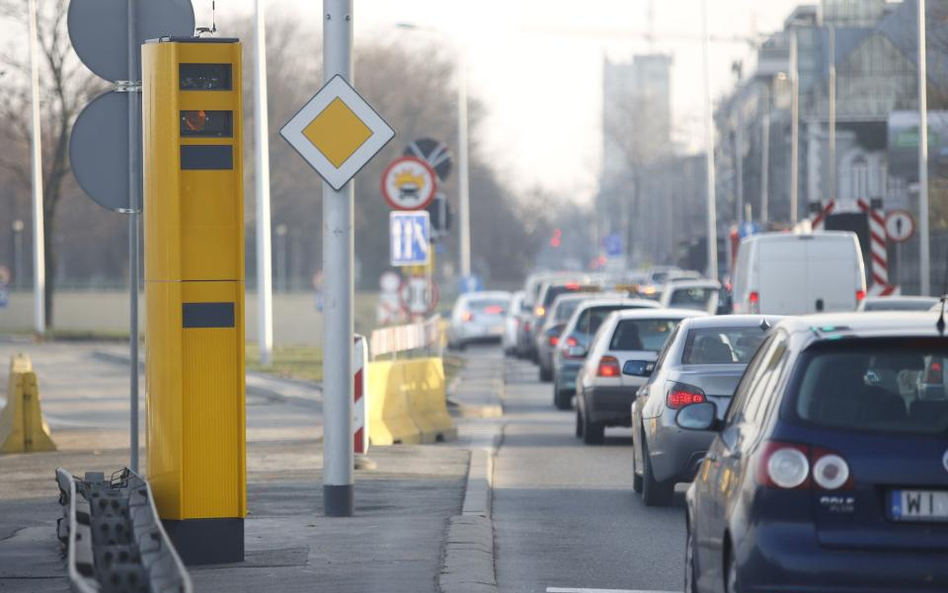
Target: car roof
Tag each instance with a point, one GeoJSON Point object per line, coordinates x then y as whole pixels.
{"type": "Point", "coordinates": [827, 326]}
{"type": "Point", "coordinates": [485, 294]}
{"type": "Point", "coordinates": [777, 237]}
{"type": "Point", "coordinates": [722, 321]}
{"type": "Point", "coordinates": [675, 284]}
{"type": "Point", "coordinates": [658, 313]}
{"type": "Point", "coordinates": [613, 301]}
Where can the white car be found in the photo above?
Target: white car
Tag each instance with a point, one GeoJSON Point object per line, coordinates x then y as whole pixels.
{"type": "Point", "coordinates": [512, 323]}
{"type": "Point", "coordinates": [700, 295]}
{"type": "Point", "coordinates": [620, 361]}
{"type": "Point", "coordinates": [478, 317]}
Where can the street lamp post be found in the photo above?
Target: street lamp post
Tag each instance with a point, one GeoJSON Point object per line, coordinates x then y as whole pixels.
{"type": "Point", "coordinates": [39, 245]}
{"type": "Point", "coordinates": [262, 184]}
{"type": "Point", "coordinates": [709, 147]}
{"type": "Point", "coordinates": [925, 254]}
{"type": "Point", "coordinates": [794, 128]}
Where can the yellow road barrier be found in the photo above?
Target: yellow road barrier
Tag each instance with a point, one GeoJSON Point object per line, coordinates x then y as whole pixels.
{"type": "Point", "coordinates": [390, 420]}
{"type": "Point", "coordinates": [407, 402]}
{"type": "Point", "coordinates": [22, 427]}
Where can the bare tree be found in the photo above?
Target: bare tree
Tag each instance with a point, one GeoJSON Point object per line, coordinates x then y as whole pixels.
{"type": "Point", "coordinates": [65, 87]}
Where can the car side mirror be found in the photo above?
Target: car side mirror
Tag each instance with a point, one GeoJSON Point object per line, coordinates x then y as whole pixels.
{"type": "Point", "coordinates": [638, 368]}
{"type": "Point", "coordinates": [576, 351]}
{"type": "Point", "coordinates": [703, 416]}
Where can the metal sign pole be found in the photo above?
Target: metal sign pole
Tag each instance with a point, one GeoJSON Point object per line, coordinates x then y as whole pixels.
{"type": "Point", "coordinates": [134, 186]}
{"type": "Point", "coordinates": [39, 246]}
{"type": "Point", "coordinates": [338, 457]}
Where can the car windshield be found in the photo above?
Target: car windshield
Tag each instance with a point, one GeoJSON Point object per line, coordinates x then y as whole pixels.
{"type": "Point", "coordinates": [690, 297]}
{"type": "Point", "coordinates": [884, 386]}
{"type": "Point", "coordinates": [725, 345]}
{"type": "Point", "coordinates": [642, 334]}
{"type": "Point", "coordinates": [591, 318]}
{"type": "Point", "coordinates": [488, 306]}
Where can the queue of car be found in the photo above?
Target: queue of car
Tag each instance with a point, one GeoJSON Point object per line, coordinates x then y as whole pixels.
{"type": "Point", "coordinates": [811, 424]}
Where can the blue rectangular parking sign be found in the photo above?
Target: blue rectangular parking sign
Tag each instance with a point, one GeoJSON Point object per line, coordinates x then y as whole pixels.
{"type": "Point", "coordinates": [410, 234]}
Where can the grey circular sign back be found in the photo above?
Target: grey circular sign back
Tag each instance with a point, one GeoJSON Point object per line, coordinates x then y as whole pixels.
{"type": "Point", "coordinates": [98, 150]}
{"type": "Point", "coordinates": [98, 30]}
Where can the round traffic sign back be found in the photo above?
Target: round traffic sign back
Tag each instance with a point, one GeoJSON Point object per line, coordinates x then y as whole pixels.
{"type": "Point", "coordinates": [899, 226]}
{"type": "Point", "coordinates": [434, 152]}
{"type": "Point", "coordinates": [409, 183]}
{"type": "Point", "coordinates": [98, 151]}
{"type": "Point", "coordinates": [99, 31]}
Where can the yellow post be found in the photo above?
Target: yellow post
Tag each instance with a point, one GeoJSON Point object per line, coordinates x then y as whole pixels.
{"type": "Point", "coordinates": [22, 426]}
{"type": "Point", "coordinates": [194, 291]}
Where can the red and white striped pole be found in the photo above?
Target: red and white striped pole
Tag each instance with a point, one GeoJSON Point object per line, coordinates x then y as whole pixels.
{"type": "Point", "coordinates": [820, 217]}
{"type": "Point", "coordinates": [360, 428]}
{"type": "Point", "coordinates": [878, 250]}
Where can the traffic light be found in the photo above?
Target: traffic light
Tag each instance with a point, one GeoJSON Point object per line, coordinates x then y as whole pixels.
{"type": "Point", "coordinates": [194, 291]}
{"type": "Point", "coordinates": [557, 239]}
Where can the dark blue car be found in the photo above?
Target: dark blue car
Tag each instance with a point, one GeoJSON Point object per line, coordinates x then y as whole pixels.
{"type": "Point", "coordinates": [829, 472]}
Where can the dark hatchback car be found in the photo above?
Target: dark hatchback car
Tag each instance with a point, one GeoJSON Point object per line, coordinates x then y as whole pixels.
{"type": "Point", "coordinates": [830, 470]}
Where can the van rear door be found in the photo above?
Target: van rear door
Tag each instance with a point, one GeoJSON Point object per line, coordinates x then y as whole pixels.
{"type": "Point", "coordinates": [782, 266]}
{"type": "Point", "coordinates": [832, 274]}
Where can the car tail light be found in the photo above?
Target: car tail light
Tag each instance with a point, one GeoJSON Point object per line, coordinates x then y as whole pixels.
{"type": "Point", "coordinates": [467, 316]}
{"type": "Point", "coordinates": [784, 466]}
{"type": "Point", "coordinates": [754, 299]}
{"type": "Point", "coordinates": [554, 340]}
{"type": "Point", "coordinates": [935, 372]}
{"type": "Point", "coordinates": [526, 326]}
{"type": "Point", "coordinates": [493, 310]}
{"type": "Point", "coordinates": [860, 295]}
{"type": "Point", "coordinates": [681, 395]}
{"type": "Point", "coordinates": [791, 466]}
{"type": "Point", "coordinates": [572, 286]}
{"type": "Point", "coordinates": [608, 367]}
{"type": "Point", "coordinates": [830, 471]}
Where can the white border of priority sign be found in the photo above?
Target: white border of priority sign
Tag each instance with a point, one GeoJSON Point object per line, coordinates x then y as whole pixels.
{"type": "Point", "coordinates": [896, 232]}
{"type": "Point", "coordinates": [337, 87]}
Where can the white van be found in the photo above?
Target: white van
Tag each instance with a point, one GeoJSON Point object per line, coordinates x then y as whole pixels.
{"type": "Point", "coordinates": [787, 274]}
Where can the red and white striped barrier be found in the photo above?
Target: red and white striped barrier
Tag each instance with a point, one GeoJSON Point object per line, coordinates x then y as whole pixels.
{"type": "Point", "coordinates": [878, 250]}
{"type": "Point", "coordinates": [360, 427]}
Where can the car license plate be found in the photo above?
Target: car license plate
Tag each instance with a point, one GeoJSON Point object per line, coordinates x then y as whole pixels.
{"type": "Point", "coordinates": [497, 329]}
{"type": "Point", "coordinates": [918, 505]}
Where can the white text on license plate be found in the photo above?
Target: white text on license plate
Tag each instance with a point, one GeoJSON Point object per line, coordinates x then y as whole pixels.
{"type": "Point", "coordinates": [919, 505]}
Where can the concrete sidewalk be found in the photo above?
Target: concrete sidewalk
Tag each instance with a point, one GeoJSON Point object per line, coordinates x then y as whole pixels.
{"type": "Point", "coordinates": [422, 520]}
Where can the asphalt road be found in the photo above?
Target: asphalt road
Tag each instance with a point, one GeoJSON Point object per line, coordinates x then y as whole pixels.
{"type": "Point", "coordinates": [565, 516]}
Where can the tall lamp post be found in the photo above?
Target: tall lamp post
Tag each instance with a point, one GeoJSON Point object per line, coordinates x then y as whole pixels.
{"type": "Point", "coordinates": [925, 254]}
{"type": "Point", "coordinates": [709, 146]}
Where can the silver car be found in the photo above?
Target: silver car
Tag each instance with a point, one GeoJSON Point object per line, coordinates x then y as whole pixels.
{"type": "Point", "coordinates": [605, 388]}
{"type": "Point", "coordinates": [478, 317]}
{"type": "Point", "coordinates": [573, 342]}
{"type": "Point", "coordinates": [703, 361]}
{"type": "Point", "coordinates": [512, 324]}
{"type": "Point", "coordinates": [549, 335]}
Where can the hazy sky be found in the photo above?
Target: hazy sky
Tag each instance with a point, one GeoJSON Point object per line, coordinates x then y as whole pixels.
{"type": "Point", "coordinates": [537, 65]}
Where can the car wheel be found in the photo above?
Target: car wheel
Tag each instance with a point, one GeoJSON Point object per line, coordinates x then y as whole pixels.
{"type": "Point", "coordinates": [579, 423]}
{"type": "Point", "coordinates": [546, 374]}
{"type": "Point", "coordinates": [691, 572]}
{"type": "Point", "coordinates": [730, 578]}
{"type": "Point", "coordinates": [561, 399]}
{"type": "Point", "coordinates": [636, 476]}
{"type": "Point", "coordinates": [654, 493]}
{"type": "Point", "coordinates": [593, 432]}
{"type": "Point", "coordinates": [461, 346]}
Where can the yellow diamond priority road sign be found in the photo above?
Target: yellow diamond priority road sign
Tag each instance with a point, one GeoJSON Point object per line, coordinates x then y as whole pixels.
{"type": "Point", "coordinates": [337, 132]}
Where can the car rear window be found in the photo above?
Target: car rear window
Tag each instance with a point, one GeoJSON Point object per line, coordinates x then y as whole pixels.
{"type": "Point", "coordinates": [556, 290]}
{"type": "Point", "coordinates": [591, 319]}
{"type": "Point", "coordinates": [642, 334]}
{"type": "Point", "coordinates": [489, 306]}
{"type": "Point", "coordinates": [690, 297]}
{"type": "Point", "coordinates": [885, 386]}
{"type": "Point", "coordinates": [725, 345]}
{"type": "Point", "coordinates": [565, 310]}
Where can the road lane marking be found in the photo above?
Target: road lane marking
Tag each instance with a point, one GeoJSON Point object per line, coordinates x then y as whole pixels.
{"type": "Point", "coordinates": [587, 590]}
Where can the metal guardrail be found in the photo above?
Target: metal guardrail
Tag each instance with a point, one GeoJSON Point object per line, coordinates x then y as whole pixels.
{"type": "Point", "coordinates": [424, 335]}
{"type": "Point", "coordinates": [113, 536]}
